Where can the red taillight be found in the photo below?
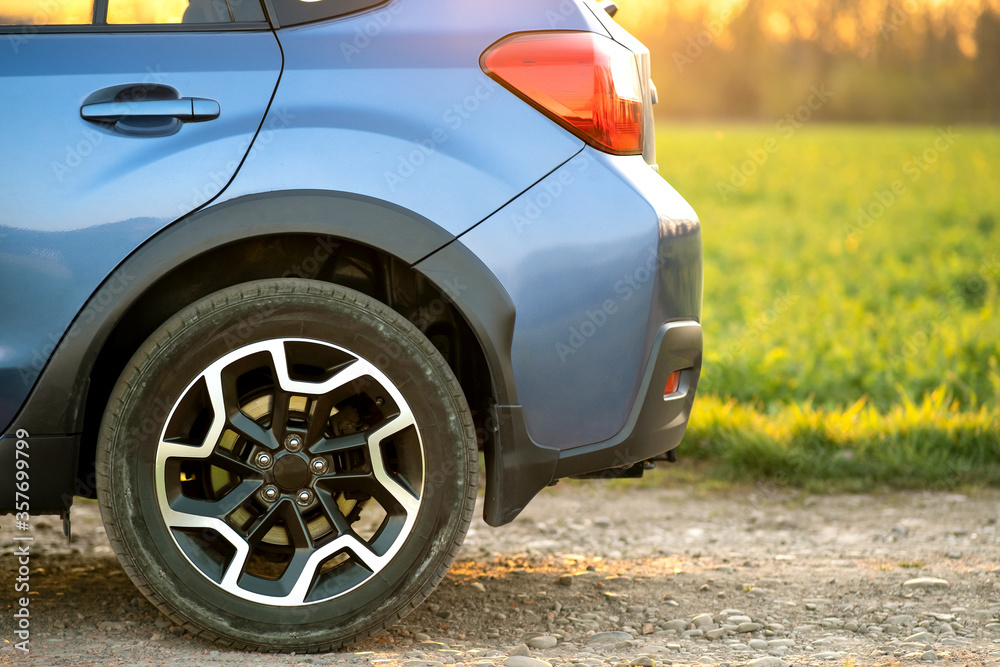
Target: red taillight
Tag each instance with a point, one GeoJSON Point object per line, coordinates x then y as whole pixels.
{"type": "Point", "coordinates": [582, 80]}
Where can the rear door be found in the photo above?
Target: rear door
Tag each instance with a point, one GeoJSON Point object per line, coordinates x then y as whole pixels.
{"type": "Point", "coordinates": [117, 117]}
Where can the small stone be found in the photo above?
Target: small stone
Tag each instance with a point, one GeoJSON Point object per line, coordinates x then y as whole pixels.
{"type": "Point", "coordinates": [748, 627]}
{"type": "Point", "coordinates": [423, 663]}
{"type": "Point", "coordinates": [901, 620]}
{"type": "Point", "coordinates": [738, 618]}
{"type": "Point", "coordinates": [565, 580]}
{"type": "Point", "coordinates": [926, 582]}
{"type": "Point", "coordinates": [644, 661]}
{"type": "Point", "coordinates": [701, 620]}
{"type": "Point", "coordinates": [478, 585]}
{"type": "Point", "coordinates": [768, 661]}
{"type": "Point", "coordinates": [609, 637]}
{"type": "Point", "coordinates": [851, 626]}
{"type": "Point", "coordinates": [718, 633]}
{"type": "Point", "coordinates": [520, 649]}
{"type": "Point", "coordinates": [545, 642]}
{"type": "Point", "coordinates": [929, 656]}
{"type": "Point", "coordinates": [525, 661]}
{"type": "Point", "coordinates": [918, 637]}
{"type": "Point", "coordinates": [421, 637]}
{"type": "Point", "coordinates": [993, 627]}
{"type": "Point", "coordinates": [678, 624]}
{"type": "Point", "coordinates": [826, 655]}
{"type": "Point", "coordinates": [758, 644]}
{"type": "Point", "coordinates": [648, 629]}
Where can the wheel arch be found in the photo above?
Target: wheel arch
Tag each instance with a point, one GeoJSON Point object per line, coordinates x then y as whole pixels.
{"type": "Point", "coordinates": [368, 245]}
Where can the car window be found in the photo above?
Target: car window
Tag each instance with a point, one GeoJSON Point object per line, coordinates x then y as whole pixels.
{"type": "Point", "coordinates": [144, 12]}
{"type": "Point", "coordinates": [31, 12]}
{"type": "Point", "coordinates": [291, 12]}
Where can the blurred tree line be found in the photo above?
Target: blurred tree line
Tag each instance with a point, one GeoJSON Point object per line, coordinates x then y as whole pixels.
{"type": "Point", "coordinates": [934, 61]}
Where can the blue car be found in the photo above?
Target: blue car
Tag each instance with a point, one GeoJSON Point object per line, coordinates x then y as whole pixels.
{"type": "Point", "coordinates": [275, 273]}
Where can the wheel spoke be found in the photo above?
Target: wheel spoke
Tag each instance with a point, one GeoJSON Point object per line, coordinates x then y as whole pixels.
{"type": "Point", "coordinates": [332, 511]}
{"type": "Point", "coordinates": [341, 444]}
{"type": "Point", "coordinates": [250, 430]}
{"type": "Point", "coordinates": [262, 524]}
{"type": "Point", "coordinates": [395, 425]}
{"type": "Point", "coordinates": [212, 509]}
{"type": "Point", "coordinates": [317, 424]}
{"type": "Point", "coordinates": [349, 373]}
{"type": "Point", "coordinates": [225, 460]}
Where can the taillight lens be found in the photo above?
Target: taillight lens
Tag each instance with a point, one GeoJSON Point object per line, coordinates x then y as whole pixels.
{"type": "Point", "coordinates": [582, 80]}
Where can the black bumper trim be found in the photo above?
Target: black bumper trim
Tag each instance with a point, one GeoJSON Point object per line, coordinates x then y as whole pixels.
{"type": "Point", "coordinates": [518, 468]}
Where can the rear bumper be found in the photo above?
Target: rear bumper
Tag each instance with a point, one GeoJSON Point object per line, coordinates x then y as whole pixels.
{"type": "Point", "coordinates": [519, 468]}
{"type": "Point", "coordinates": [658, 421]}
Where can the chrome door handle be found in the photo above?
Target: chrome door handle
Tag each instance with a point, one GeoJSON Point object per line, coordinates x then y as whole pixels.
{"type": "Point", "coordinates": [186, 109]}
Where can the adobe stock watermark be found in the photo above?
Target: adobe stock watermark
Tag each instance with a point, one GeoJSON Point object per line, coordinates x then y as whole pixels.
{"type": "Point", "coordinates": [218, 180]}
{"type": "Point", "coordinates": [452, 120]}
{"type": "Point", "coordinates": [101, 301]}
{"type": "Point", "coordinates": [783, 302]}
{"type": "Point", "coordinates": [46, 12]}
{"type": "Point", "coordinates": [545, 194]}
{"type": "Point", "coordinates": [22, 546]}
{"type": "Point", "coordinates": [896, 16]}
{"type": "Point", "coordinates": [624, 289]}
{"type": "Point", "coordinates": [369, 31]}
{"type": "Point", "coordinates": [784, 129]}
{"type": "Point", "coordinates": [913, 169]}
{"type": "Point", "coordinates": [562, 13]}
{"type": "Point", "coordinates": [958, 297]}
{"type": "Point", "coordinates": [92, 137]}
{"type": "Point", "coordinates": [696, 45]}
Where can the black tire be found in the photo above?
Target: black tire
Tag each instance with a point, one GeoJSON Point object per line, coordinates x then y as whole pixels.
{"type": "Point", "coordinates": [334, 550]}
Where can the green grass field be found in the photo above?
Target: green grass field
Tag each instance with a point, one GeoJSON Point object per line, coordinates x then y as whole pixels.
{"type": "Point", "coordinates": [852, 301]}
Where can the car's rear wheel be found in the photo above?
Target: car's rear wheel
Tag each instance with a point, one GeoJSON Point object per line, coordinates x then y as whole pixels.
{"type": "Point", "coordinates": [286, 465]}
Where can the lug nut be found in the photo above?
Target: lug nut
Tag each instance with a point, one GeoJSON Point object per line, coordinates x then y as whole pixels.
{"type": "Point", "coordinates": [270, 493]}
{"type": "Point", "coordinates": [264, 460]}
{"type": "Point", "coordinates": [318, 466]}
{"type": "Point", "coordinates": [304, 497]}
{"type": "Point", "coordinates": [293, 443]}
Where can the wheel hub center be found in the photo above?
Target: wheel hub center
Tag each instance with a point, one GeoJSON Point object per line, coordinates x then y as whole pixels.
{"type": "Point", "coordinates": [291, 472]}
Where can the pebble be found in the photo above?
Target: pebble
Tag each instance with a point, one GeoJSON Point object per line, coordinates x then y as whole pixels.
{"type": "Point", "coordinates": [758, 644]}
{"type": "Point", "coordinates": [993, 627]}
{"type": "Point", "coordinates": [545, 642]}
{"type": "Point", "coordinates": [701, 620]}
{"type": "Point", "coordinates": [826, 655]}
{"type": "Point", "coordinates": [608, 637]}
{"type": "Point", "coordinates": [901, 619]}
{"type": "Point", "coordinates": [524, 661]}
{"type": "Point", "coordinates": [520, 649]}
{"type": "Point", "coordinates": [644, 661]}
{"type": "Point", "coordinates": [929, 656]}
{"type": "Point", "coordinates": [718, 633]}
{"type": "Point", "coordinates": [926, 582]}
{"type": "Point", "coordinates": [421, 637]}
{"type": "Point", "coordinates": [768, 661]}
{"type": "Point", "coordinates": [918, 637]}
{"type": "Point", "coordinates": [748, 627]}
{"type": "Point", "coordinates": [678, 624]}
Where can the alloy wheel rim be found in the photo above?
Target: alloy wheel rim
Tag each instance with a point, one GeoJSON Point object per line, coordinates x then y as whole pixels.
{"type": "Point", "coordinates": [289, 472]}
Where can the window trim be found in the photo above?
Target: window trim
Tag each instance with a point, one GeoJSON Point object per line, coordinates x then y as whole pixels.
{"type": "Point", "coordinates": [90, 28]}
{"type": "Point", "coordinates": [99, 17]}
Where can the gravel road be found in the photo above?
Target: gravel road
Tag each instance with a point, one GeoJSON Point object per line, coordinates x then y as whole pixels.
{"type": "Point", "coordinates": [592, 574]}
